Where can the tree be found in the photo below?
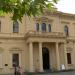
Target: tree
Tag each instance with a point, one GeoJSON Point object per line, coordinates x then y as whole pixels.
{"type": "Point", "coordinates": [19, 8]}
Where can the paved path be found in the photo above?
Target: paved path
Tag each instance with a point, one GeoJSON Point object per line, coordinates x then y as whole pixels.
{"type": "Point", "coordinates": [59, 73]}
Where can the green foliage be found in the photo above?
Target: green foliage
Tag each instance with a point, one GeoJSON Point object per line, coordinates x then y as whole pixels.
{"type": "Point", "coordinates": [19, 8]}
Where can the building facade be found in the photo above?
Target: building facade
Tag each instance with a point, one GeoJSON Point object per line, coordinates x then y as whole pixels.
{"type": "Point", "coordinates": [39, 43]}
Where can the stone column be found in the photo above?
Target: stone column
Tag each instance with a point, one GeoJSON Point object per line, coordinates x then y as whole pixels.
{"type": "Point", "coordinates": [40, 57]}
{"type": "Point", "coordinates": [57, 57]}
{"type": "Point", "coordinates": [65, 56]}
{"type": "Point", "coordinates": [31, 67]}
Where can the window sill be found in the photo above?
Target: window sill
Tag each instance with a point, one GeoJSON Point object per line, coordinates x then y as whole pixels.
{"type": "Point", "coordinates": [15, 32]}
{"type": "Point", "coordinates": [12, 68]}
{"type": "Point", "coordinates": [70, 64]}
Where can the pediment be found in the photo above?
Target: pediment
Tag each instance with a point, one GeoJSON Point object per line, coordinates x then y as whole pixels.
{"type": "Point", "coordinates": [42, 19]}
{"type": "Point", "coordinates": [15, 49]}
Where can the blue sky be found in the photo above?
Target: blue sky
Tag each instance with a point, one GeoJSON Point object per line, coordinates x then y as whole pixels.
{"type": "Point", "coordinates": [67, 6]}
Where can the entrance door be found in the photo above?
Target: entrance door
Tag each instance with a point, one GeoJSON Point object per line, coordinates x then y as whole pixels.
{"type": "Point", "coordinates": [45, 52]}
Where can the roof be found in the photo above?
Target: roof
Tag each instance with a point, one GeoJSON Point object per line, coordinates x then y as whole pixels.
{"type": "Point", "coordinates": [60, 13]}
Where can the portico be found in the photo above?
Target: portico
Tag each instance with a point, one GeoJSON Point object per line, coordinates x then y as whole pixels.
{"type": "Point", "coordinates": [56, 48]}
{"type": "Point", "coordinates": [36, 56]}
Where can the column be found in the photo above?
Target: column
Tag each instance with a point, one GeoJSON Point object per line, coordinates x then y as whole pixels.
{"type": "Point", "coordinates": [65, 56]}
{"type": "Point", "coordinates": [40, 57]}
{"type": "Point", "coordinates": [57, 57]}
{"type": "Point", "coordinates": [31, 67]}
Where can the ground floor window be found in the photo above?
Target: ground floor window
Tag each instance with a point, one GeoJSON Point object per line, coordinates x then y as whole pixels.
{"type": "Point", "coordinates": [15, 59]}
{"type": "Point", "coordinates": [1, 61]}
{"type": "Point", "coordinates": [69, 58]}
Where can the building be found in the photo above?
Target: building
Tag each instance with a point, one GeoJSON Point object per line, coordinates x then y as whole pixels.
{"type": "Point", "coordinates": [38, 43]}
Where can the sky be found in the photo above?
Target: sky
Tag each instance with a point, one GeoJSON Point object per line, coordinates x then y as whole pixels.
{"type": "Point", "coordinates": [67, 6]}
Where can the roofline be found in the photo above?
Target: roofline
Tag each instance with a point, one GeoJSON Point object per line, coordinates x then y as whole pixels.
{"type": "Point", "coordinates": [64, 13]}
{"type": "Point", "coordinates": [60, 13]}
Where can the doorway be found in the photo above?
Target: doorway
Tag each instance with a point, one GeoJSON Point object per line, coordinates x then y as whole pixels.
{"type": "Point", "coordinates": [46, 64]}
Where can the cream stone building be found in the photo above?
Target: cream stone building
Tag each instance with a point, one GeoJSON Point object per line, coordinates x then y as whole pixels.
{"type": "Point", "coordinates": [38, 44]}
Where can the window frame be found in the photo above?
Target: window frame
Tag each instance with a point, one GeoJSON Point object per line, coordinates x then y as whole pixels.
{"type": "Point", "coordinates": [66, 30]}
{"type": "Point", "coordinates": [37, 26]}
{"type": "Point", "coordinates": [43, 27]}
{"type": "Point", "coordinates": [13, 63]}
{"type": "Point", "coordinates": [49, 28]}
{"type": "Point", "coordinates": [15, 27]}
{"type": "Point", "coordinates": [69, 59]}
{"type": "Point", "coordinates": [0, 25]}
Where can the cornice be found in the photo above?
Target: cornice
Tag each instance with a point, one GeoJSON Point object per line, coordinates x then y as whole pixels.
{"type": "Point", "coordinates": [32, 34]}
{"type": "Point", "coordinates": [15, 36]}
{"type": "Point", "coordinates": [58, 13]}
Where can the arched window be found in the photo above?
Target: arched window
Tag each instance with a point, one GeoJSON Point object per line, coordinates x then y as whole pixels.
{"type": "Point", "coordinates": [49, 28]}
{"type": "Point", "coordinates": [37, 26]}
{"type": "Point", "coordinates": [66, 30]}
{"type": "Point", "coordinates": [0, 26]}
{"type": "Point", "coordinates": [15, 27]}
{"type": "Point", "coordinates": [43, 27]}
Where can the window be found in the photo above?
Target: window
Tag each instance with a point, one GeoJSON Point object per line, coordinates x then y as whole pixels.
{"type": "Point", "coordinates": [43, 27]}
{"type": "Point", "coordinates": [15, 59]}
{"type": "Point", "coordinates": [0, 26]}
{"type": "Point", "coordinates": [15, 27]}
{"type": "Point", "coordinates": [49, 28]}
{"type": "Point", "coordinates": [66, 30]}
{"type": "Point", "coordinates": [69, 58]}
{"type": "Point", "coordinates": [1, 63]}
{"type": "Point", "coordinates": [37, 26]}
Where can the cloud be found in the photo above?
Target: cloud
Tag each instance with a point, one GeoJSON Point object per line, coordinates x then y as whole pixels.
{"type": "Point", "coordinates": [66, 6]}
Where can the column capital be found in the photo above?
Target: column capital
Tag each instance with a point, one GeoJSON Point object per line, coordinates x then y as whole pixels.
{"type": "Point", "coordinates": [30, 42]}
{"type": "Point", "coordinates": [56, 42]}
{"type": "Point", "coordinates": [40, 42]}
{"type": "Point", "coordinates": [65, 42]}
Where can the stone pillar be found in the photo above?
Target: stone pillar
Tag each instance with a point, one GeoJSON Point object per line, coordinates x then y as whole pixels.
{"type": "Point", "coordinates": [65, 56]}
{"type": "Point", "coordinates": [31, 67]}
{"type": "Point", "coordinates": [40, 57]}
{"type": "Point", "coordinates": [57, 57]}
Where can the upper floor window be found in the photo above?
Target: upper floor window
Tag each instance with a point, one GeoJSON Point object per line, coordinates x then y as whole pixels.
{"type": "Point", "coordinates": [0, 26]}
{"type": "Point", "coordinates": [66, 30]}
{"type": "Point", "coordinates": [15, 27]}
{"type": "Point", "coordinates": [49, 28]}
{"type": "Point", "coordinates": [43, 27]}
{"type": "Point", "coordinates": [37, 26]}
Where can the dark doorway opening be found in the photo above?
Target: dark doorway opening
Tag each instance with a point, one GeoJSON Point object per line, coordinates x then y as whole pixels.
{"type": "Point", "coordinates": [45, 52]}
